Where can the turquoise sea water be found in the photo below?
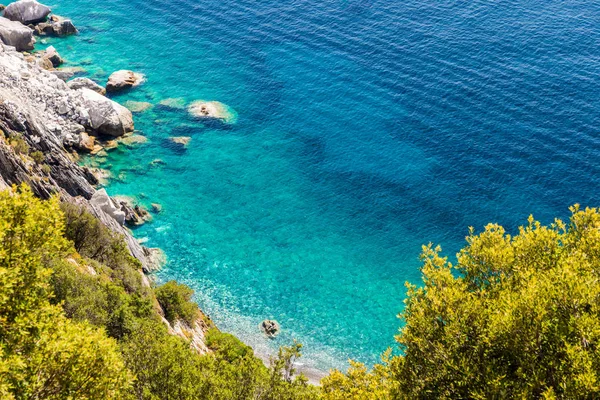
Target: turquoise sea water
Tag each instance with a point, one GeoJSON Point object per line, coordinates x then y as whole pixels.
{"type": "Point", "coordinates": [365, 129]}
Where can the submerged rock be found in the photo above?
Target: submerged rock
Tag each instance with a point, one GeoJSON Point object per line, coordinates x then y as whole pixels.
{"type": "Point", "coordinates": [26, 12]}
{"type": "Point", "coordinates": [15, 34]}
{"type": "Point", "coordinates": [79, 83]}
{"type": "Point", "coordinates": [270, 328]}
{"type": "Point", "coordinates": [181, 141]}
{"type": "Point", "coordinates": [133, 140]}
{"type": "Point", "coordinates": [212, 110]}
{"type": "Point", "coordinates": [156, 208]}
{"type": "Point", "coordinates": [176, 103]}
{"type": "Point", "coordinates": [123, 79]}
{"type": "Point", "coordinates": [106, 116]}
{"type": "Point", "coordinates": [137, 106]}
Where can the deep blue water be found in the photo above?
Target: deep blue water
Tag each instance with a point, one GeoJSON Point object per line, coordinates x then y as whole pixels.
{"type": "Point", "coordinates": [365, 129]}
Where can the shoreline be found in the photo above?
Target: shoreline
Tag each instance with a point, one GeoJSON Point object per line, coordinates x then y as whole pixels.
{"type": "Point", "coordinates": [109, 216]}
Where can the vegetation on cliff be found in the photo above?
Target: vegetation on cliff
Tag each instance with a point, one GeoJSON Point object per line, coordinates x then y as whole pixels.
{"type": "Point", "coordinates": [515, 317]}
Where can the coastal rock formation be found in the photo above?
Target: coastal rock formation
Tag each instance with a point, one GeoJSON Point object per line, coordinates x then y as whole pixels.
{"type": "Point", "coordinates": [52, 55]}
{"type": "Point", "coordinates": [47, 116]}
{"type": "Point", "coordinates": [27, 12]}
{"type": "Point", "coordinates": [212, 110]}
{"type": "Point", "coordinates": [270, 328]}
{"type": "Point", "coordinates": [102, 200]}
{"type": "Point", "coordinates": [80, 83]}
{"type": "Point", "coordinates": [57, 26]}
{"type": "Point", "coordinates": [106, 116]}
{"type": "Point", "coordinates": [15, 34]}
{"type": "Point", "coordinates": [123, 79]}
{"type": "Point", "coordinates": [86, 143]}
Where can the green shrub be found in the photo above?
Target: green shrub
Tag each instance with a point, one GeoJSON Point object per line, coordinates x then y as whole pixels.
{"type": "Point", "coordinates": [93, 240]}
{"type": "Point", "coordinates": [175, 301]}
{"type": "Point", "coordinates": [37, 156]}
{"type": "Point", "coordinates": [226, 346]}
{"type": "Point", "coordinates": [19, 144]}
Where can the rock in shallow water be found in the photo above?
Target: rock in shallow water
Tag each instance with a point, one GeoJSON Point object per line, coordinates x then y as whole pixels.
{"type": "Point", "coordinates": [15, 34]}
{"type": "Point", "coordinates": [137, 106]}
{"type": "Point", "coordinates": [57, 26]}
{"type": "Point", "coordinates": [27, 12]}
{"type": "Point", "coordinates": [212, 110]}
{"type": "Point", "coordinates": [123, 79]}
{"type": "Point", "coordinates": [106, 116]}
{"type": "Point", "coordinates": [270, 328]}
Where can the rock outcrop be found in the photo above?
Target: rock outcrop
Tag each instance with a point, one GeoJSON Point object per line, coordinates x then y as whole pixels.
{"type": "Point", "coordinates": [43, 112]}
{"type": "Point", "coordinates": [56, 26]}
{"type": "Point", "coordinates": [123, 79]}
{"type": "Point", "coordinates": [270, 328]}
{"type": "Point", "coordinates": [80, 83]}
{"type": "Point", "coordinates": [106, 116]}
{"type": "Point", "coordinates": [102, 200]}
{"type": "Point", "coordinates": [52, 55]}
{"type": "Point", "coordinates": [27, 12]}
{"type": "Point", "coordinates": [15, 34]}
{"type": "Point", "coordinates": [212, 110]}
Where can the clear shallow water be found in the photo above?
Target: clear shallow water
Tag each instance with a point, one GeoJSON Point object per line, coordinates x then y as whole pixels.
{"type": "Point", "coordinates": [365, 129]}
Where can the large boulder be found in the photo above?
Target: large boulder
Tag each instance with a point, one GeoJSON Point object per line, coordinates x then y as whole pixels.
{"type": "Point", "coordinates": [123, 79]}
{"type": "Point", "coordinates": [52, 55]}
{"type": "Point", "coordinates": [102, 200]}
{"type": "Point", "coordinates": [106, 116]}
{"type": "Point", "coordinates": [270, 327]}
{"type": "Point", "coordinates": [57, 26]}
{"type": "Point", "coordinates": [27, 12]}
{"type": "Point", "coordinates": [16, 34]}
{"type": "Point", "coordinates": [79, 83]}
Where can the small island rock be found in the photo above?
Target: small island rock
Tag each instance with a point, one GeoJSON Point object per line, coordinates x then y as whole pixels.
{"type": "Point", "coordinates": [212, 110]}
{"type": "Point", "coordinates": [123, 79]}
{"type": "Point", "coordinates": [270, 327]}
{"type": "Point", "coordinates": [15, 34]}
{"type": "Point", "coordinates": [57, 26]}
{"type": "Point", "coordinates": [26, 12]}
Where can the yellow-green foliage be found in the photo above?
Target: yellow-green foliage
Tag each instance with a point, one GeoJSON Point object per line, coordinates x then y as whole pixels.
{"type": "Point", "coordinates": [82, 325]}
{"type": "Point", "coordinates": [175, 300]}
{"type": "Point", "coordinates": [516, 317]}
{"type": "Point", "coordinates": [42, 353]}
{"type": "Point", "coordinates": [19, 144]}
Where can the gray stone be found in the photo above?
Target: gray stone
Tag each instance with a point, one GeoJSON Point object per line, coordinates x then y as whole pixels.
{"type": "Point", "coordinates": [16, 34]}
{"type": "Point", "coordinates": [123, 79]}
{"type": "Point", "coordinates": [79, 83]}
{"type": "Point", "coordinates": [27, 12]}
{"type": "Point", "coordinates": [106, 116]}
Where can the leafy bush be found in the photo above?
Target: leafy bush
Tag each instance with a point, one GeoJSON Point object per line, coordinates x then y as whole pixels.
{"type": "Point", "coordinates": [42, 353]}
{"type": "Point", "coordinates": [226, 346]}
{"type": "Point", "coordinates": [19, 144]}
{"type": "Point", "coordinates": [37, 156]}
{"type": "Point", "coordinates": [93, 240]}
{"type": "Point", "coordinates": [175, 300]}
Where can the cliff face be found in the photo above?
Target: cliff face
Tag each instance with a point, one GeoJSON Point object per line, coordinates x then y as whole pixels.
{"type": "Point", "coordinates": [39, 109]}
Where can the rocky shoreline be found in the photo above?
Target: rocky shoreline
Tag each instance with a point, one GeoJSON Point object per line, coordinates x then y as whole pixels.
{"type": "Point", "coordinates": [47, 121]}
